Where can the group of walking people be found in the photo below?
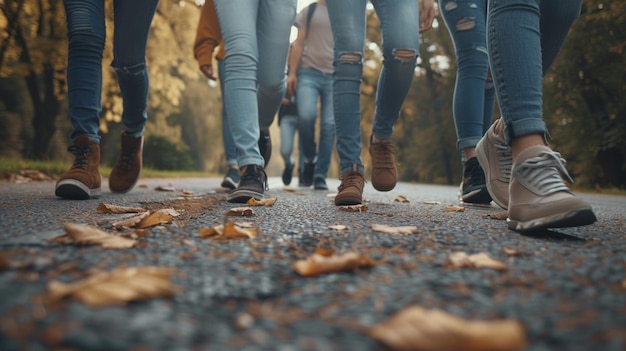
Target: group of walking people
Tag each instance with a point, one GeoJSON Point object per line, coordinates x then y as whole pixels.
{"type": "Point", "coordinates": [503, 49]}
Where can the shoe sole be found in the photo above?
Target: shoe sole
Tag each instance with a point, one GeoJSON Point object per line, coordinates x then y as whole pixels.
{"type": "Point", "coordinates": [476, 197]}
{"type": "Point", "coordinates": [229, 183]}
{"type": "Point", "coordinates": [483, 160]}
{"type": "Point", "coordinates": [575, 218]}
{"type": "Point", "coordinates": [75, 190]}
{"type": "Point", "coordinates": [348, 201]}
{"type": "Point", "coordinates": [242, 196]}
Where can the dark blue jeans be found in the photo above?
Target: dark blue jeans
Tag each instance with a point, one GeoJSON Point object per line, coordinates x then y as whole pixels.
{"type": "Point", "coordinates": [86, 38]}
{"type": "Point", "coordinates": [524, 37]}
{"type": "Point", "coordinates": [474, 93]}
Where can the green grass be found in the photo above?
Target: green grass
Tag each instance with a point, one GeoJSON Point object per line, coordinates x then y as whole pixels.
{"type": "Point", "coordinates": [56, 168]}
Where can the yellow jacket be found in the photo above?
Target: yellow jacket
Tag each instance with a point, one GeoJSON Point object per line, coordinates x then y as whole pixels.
{"type": "Point", "coordinates": [208, 36]}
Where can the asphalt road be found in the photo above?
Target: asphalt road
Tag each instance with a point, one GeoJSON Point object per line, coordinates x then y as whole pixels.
{"type": "Point", "coordinates": [566, 287]}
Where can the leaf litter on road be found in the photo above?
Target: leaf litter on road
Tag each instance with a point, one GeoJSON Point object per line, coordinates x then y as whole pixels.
{"type": "Point", "coordinates": [322, 262]}
{"type": "Point", "coordinates": [387, 229]}
{"type": "Point", "coordinates": [87, 235]}
{"type": "Point", "coordinates": [461, 259]}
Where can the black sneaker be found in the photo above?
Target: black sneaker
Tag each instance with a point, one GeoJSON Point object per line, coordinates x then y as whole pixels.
{"type": "Point", "coordinates": [320, 184]}
{"type": "Point", "coordinates": [231, 179]}
{"type": "Point", "coordinates": [287, 174]}
{"type": "Point", "coordinates": [307, 173]}
{"type": "Point", "coordinates": [265, 145]}
{"type": "Point", "coordinates": [252, 185]}
{"type": "Point", "coordinates": [473, 188]}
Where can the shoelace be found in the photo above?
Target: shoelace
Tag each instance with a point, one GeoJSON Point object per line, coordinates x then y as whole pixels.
{"type": "Point", "coordinates": [255, 174]}
{"type": "Point", "coordinates": [82, 153]}
{"type": "Point", "coordinates": [383, 154]}
{"type": "Point", "coordinates": [353, 178]}
{"type": "Point", "coordinates": [505, 160]}
{"type": "Point", "coordinates": [543, 174]}
{"type": "Point", "coordinates": [126, 158]}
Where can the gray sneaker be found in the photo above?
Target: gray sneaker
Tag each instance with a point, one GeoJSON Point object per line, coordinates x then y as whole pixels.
{"type": "Point", "coordinates": [539, 197]}
{"type": "Point", "coordinates": [496, 160]}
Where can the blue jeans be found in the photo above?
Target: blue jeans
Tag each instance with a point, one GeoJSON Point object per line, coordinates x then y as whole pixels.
{"type": "Point", "coordinates": [314, 85]}
{"type": "Point", "coordinates": [399, 23]}
{"type": "Point", "coordinates": [474, 93]}
{"type": "Point", "coordinates": [524, 37]}
{"type": "Point", "coordinates": [256, 39]}
{"type": "Point", "coordinates": [288, 128]}
{"type": "Point", "coordinates": [86, 38]}
{"type": "Point", "coordinates": [229, 144]}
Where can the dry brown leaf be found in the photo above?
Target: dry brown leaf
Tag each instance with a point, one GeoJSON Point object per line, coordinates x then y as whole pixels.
{"type": "Point", "coordinates": [34, 175]}
{"type": "Point", "coordinates": [480, 260]}
{"type": "Point", "coordinates": [117, 287]}
{"type": "Point", "coordinates": [231, 230]}
{"type": "Point", "coordinates": [454, 208]}
{"type": "Point", "coordinates": [319, 264]}
{"type": "Point", "coordinates": [416, 328]}
{"type": "Point", "coordinates": [289, 189]}
{"type": "Point", "coordinates": [84, 234]}
{"type": "Point", "coordinates": [354, 208]}
{"type": "Point", "coordinates": [338, 227]}
{"type": "Point", "coordinates": [624, 283]}
{"type": "Point", "coordinates": [502, 215]}
{"type": "Point", "coordinates": [241, 211]}
{"type": "Point", "coordinates": [163, 216]}
{"type": "Point", "coordinates": [406, 230]}
{"type": "Point", "coordinates": [324, 251]}
{"type": "Point", "coordinates": [186, 192]}
{"type": "Point", "coordinates": [511, 252]}
{"type": "Point", "coordinates": [108, 208]}
{"type": "Point", "coordinates": [165, 188]}
{"type": "Point", "coordinates": [132, 221]}
{"type": "Point", "coordinates": [432, 202]}
{"type": "Point", "coordinates": [265, 202]}
{"type": "Point", "coordinates": [401, 198]}
{"type": "Point", "coordinates": [331, 195]}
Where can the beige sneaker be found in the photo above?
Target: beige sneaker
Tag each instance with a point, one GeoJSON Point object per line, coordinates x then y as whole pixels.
{"type": "Point", "coordinates": [496, 160]}
{"type": "Point", "coordinates": [384, 171]}
{"type": "Point", "coordinates": [82, 180]}
{"type": "Point", "coordinates": [350, 189]}
{"type": "Point", "coordinates": [539, 197]}
{"type": "Point", "coordinates": [127, 168]}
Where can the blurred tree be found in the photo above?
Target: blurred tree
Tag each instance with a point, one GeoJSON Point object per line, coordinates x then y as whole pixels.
{"type": "Point", "coordinates": [585, 96]}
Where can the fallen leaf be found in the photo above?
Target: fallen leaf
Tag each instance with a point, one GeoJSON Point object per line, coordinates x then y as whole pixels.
{"type": "Point", "coordinates": [454, 208]}
{"type": "Point", "coordinates": [401, 198]}
{"type": "Point", "coordinates": [243, 321]}
{"type": "Point", "coordinates": [265, 202]}
{"type": "Point", "coordinates": [480, 260]}
{"type": "Point", "coordinates": [108, 208]}
{"type": "Point", "coordinates": [624, 283]}
{"type": "Point", "coordinates": [502, 215]}
{"type": "Point", "coordinates": [83, 234]}
{"type": "Point", "coordinates": [230, 230]}
{"type": "Point", "coordinates": [416, 328]}
{"type": "Point", "coordinates": [511, 252]}
{"type": "Point", "coordinates": [320, 264]}
{"type": "Point", "coordinates": [406, 230]}
{"type": "Point", "coordinates": [34, 175]}
{"type": "Point", "coordinates": [142, 186]}
{"type": "Point", "coordinates": [331, 195]}
{"type": "Point", "coordinates": [163, 216]}
{"type": "Point", "coordinates": [354, 208]}
{"type": "Point", "coordinates": [132, 221]}
{"type": "Point", "coordinates": [338, 227]}
{"type": "Point", "coordinates": [164, 188]}
{"type": "Point", "coordinates": [141, 232]}
{"type": "Point", "coordinates": [289, 189]}
{"type": "Point", "coordinates": [241, 211]}
{"type": "Point", "coordinates": [432, 202]}
{"type": "Point", "coordinates": [117, 287]}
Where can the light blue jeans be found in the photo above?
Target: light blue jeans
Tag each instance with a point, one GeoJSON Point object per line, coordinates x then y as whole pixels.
{"type": "Point", "coordinates": [288, 128]}
{"type": "Point", "coordinates": [399, 22]}
{"type": "Point", "coordinates": [524, 37]}
{"type": "Point", "coordinates": [474, 92]}
{"type": "Point", "coordinates": [314, 85]}
{"type": "Point", "coordinates": [256, 39]}
{"type": "Point", "coordinates": [230, 151]}
{"type": "Point", "coordinates": [86, 38]}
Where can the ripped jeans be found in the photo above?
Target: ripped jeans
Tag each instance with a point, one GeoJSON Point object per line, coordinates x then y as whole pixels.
{"type": "Point", "coordinates": [86, 38]}
{"type": "Point", "coordinates": [399, 22]}
{"type": "Point", "coordinates": [474, 93]}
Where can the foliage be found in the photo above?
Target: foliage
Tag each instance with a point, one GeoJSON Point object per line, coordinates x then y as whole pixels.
{"type": "Point", "coordinates": [164, 154]}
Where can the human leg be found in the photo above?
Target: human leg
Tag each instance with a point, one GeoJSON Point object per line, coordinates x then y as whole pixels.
{"type": "Point", "coordinates": [288, 127]}
{"type": "Point", "coordinates": [327, 130]}
{"type": "Point", "coordinates": [86, 38]}
{"type": "Point", "coordinates": [399, 21]}
{"type": "Point", "coordinates": [347, 19]}
{"type": "Point", "coordinates": [538, 197]}
{"type": "Point", "coordinates": [232, 177]}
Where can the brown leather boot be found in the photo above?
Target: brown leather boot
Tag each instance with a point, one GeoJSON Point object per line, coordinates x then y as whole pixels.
{"type": "Point", "coordinates": [82, 181]}
{"type": "Point", "coordinates": [127, 168]}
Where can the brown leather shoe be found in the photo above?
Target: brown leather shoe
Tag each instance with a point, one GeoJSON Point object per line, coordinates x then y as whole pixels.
{"type": "Point", "coordinates": [82, 180]}
{"type": "Point", "coordinates": [350, 189]}
{"type": "Point", "coordinates": [384, 171]}
{"type": "Point", "coordinates": [125, 172]}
